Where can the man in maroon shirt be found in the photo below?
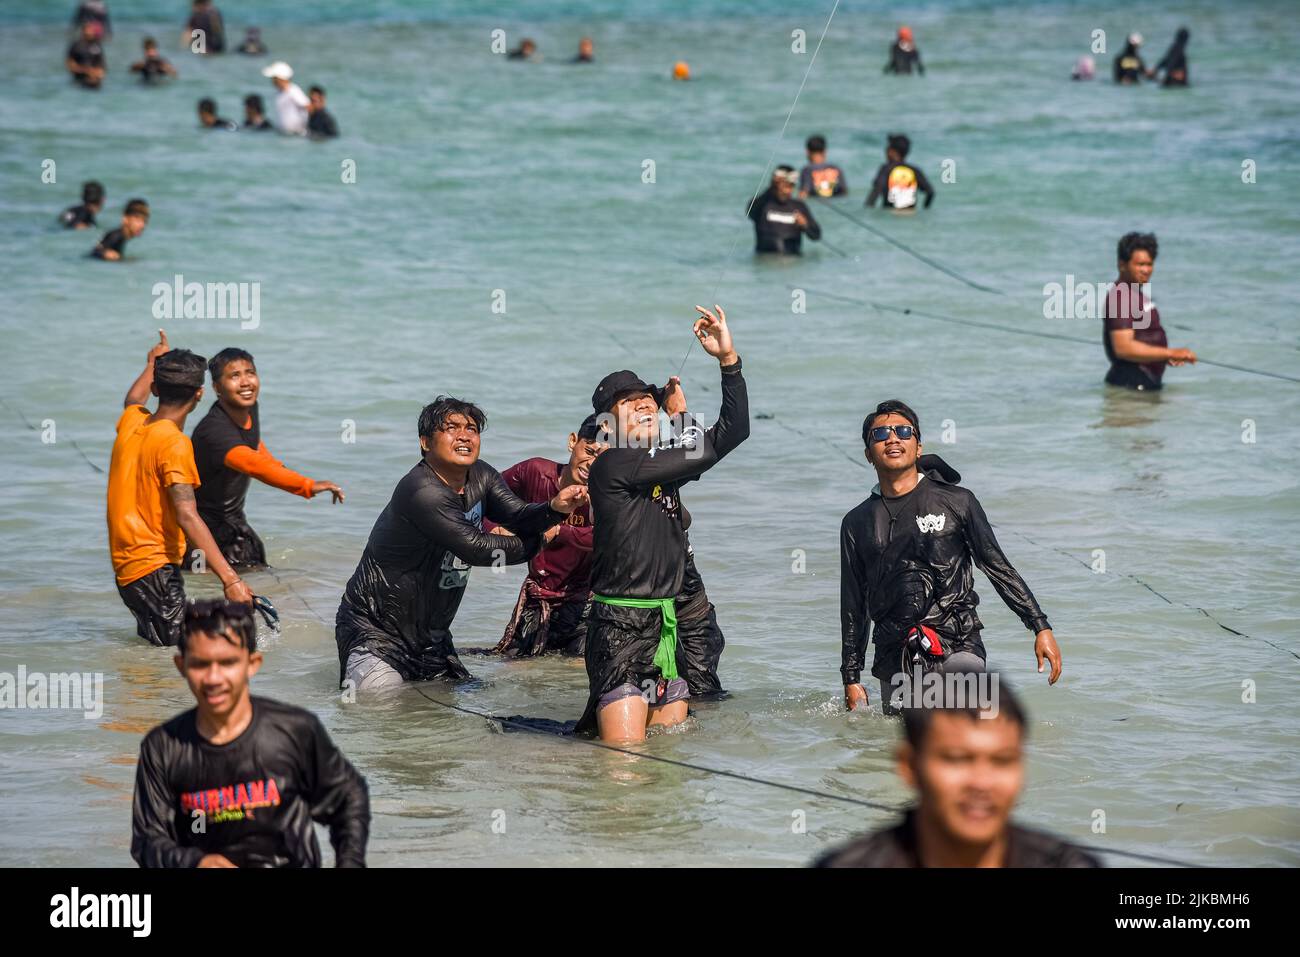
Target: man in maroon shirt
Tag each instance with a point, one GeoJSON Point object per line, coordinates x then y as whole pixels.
{"type": "Point", "coordinates": [551, 612]}
{"type": "Point", "coordinates": [1135, 342]}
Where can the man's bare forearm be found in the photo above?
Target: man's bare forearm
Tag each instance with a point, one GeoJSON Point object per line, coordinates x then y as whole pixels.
{"type": "Point", "coordinates": [196, 531]}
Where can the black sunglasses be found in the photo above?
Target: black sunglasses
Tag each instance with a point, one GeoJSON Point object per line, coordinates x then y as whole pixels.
{"type": "Point", "coordinates": [881, 432]}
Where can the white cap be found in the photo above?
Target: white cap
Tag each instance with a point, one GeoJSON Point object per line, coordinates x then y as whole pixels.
{"type": "Point", "coordinates": [278, 70]}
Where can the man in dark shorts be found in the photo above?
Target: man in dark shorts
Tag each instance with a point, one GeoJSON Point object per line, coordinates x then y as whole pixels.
{"type": "Point", "coordinates": [639, 545]}
{"type": "Point", "coordinates": [1135, 342]}
{"type": "Point", "coordinates": [229, 451]}
{"type": "Point", "coordinates": [85, 59]}
{"type": "Point", "coordinates": [151, 509]}
{"type": "Point", "coordinates": [897, 182]}
{"type": "Point", "coordinates": [551, 611]}
{"type": "Point", "coordinates": [153, 67]}
{"type": "Point", "coordinates": [905, 567]}
{"type": "Point", "coordinates": [135, 217]}
{"type": "Point", "coordinates": [240, 781]}
{"type": "Point", "coordinates": [205, 19]}
{"type": "Point", "coordinates": [820, 177]}
{"type": "Point", "coordinates": [966, 766]}
{"type": "Point", "coordinates": [83, 216]}
{"type": "Point", "coordinates": [393, 622]}
{"type": "Point", "coordinates": [780, 220]}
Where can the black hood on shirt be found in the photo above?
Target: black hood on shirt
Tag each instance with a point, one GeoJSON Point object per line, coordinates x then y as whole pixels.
{"type": "Point", "coordinates": [939, 470]}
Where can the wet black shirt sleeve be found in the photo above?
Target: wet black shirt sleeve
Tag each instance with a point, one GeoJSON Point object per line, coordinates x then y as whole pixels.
{"type": "Point", "coordinates": [1006, 580]}
{"type": "Point", "coordinates": [854, 620]}
{"type": "Point", "coordinates": [923, 184]}
{"type": "Point", "coordinates": [79, 215]}
{"type": "Point", "coordinates": [321, 123]}
{"type": "Point", "coordinates": [879, 185]}
{"type": "Point", "coordinates": [114, 239]}
{"type": "Point", "coordinates": [252, 800]}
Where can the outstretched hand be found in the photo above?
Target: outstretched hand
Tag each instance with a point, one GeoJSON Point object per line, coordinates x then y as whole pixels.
{"type": "Point", "coordinates": [714, 335]}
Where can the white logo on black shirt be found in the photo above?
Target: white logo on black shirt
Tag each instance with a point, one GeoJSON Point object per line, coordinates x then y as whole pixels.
{"type": "Point", "coordinates": [931, 523]}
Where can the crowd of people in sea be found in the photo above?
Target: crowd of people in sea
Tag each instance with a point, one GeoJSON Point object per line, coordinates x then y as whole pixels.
{"type": "Point", "coordinates": [612, 575]}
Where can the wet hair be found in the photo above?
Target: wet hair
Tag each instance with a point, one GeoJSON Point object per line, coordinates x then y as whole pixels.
{"type": "Point", "coordinates": [900, 144]}
{"type": "Point", "coordinates": [92, 191]}
{"type": "Point", "coordinates": [136, 207]}
{"type": "Point", "coordinates": [434, 415]}
{"type": "Point", "coordinates": [230, 620]}
{"type": "Point", "coordinates": [1130, 243]}
{"type": "Point", "coordinates": [890, 407]}
{"type": "Point", "coordinates": [149, 42]}
{"type": "Point", "coordinates": [178, 376]}
{"type": "Point", "coordinates": [255, 101]}
{"type": "Point", "coordinates": [207, 105]}
{"type": "Point", "coordinates": [785, 169]}
{"type": "Point", "coordinates": [318, 89]}
{"type": "Point", "coordinates": [917, 721]}
{"type": "Point", "coordinates": [217, 364]}
{"type": "Point", "coordinates": [816, 144]}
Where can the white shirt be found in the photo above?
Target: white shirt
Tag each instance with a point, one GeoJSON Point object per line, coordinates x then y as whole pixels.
{"type": "Point", "coordinates": [291, 107]}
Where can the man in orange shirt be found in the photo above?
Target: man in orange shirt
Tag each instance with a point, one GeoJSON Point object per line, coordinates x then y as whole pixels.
{"type": "Point", "coordinates": [151, 507]}
{"type": "Point", "coordinates": [229, 451]}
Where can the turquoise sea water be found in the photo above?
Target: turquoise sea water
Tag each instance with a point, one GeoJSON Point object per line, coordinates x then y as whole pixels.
{"type": "Point", "coordinates": [474, 174]}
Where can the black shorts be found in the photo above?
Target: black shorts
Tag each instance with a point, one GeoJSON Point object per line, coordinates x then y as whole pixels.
{"type": "Point", "coordinates": [621, 646]}
{"type": "Point", "coordinates": [158, 602]}
{"type": "Point", "coordinates": [240, 545]}
{"type": "Point", "coordinates": [699, 645]}
{"type": "Point", "coordinates": [1130, 375]}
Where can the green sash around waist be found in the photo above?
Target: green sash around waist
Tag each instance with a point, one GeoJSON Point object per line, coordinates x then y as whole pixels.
{"type": "Point", "coordinates": [666, 653]}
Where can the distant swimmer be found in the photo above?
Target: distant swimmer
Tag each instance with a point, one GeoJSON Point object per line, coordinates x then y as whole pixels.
{"type": "Point", "coordinates": [151, 507]}
{"type": "Point", "coordinates": [153, 67]}
{"type": "Point", "coordinates": [552, 609]}
{"type": "Point", "coordinates": [291, 103]}
{"type": "Point", "coordinates": [320, 121]}
{"type": "Point", "coordinates": [1084, 69]}
{"type": "Point", "coordinates": [1128, 66]}
{"type": "Point", "coordinates": [896, 181]}
{"type": "Point", "coordinates": [903, 55]}
{"type": "Point", "coordinates": [586, 51]}
{"type": "Point", "coordinates": [253, 45]}
{"type": "Point", "coordinates": [639, 543]}
{"type": "Point", "coordinates": [209, 119]}
{"type": "Point", "coordinates": [527, 50]}
{"type": "Point", "coordinates": [820, 177]}
{"type": "Point", "coordinates": [255, 114]}
{"type": "Point", "coordinates": [205, 21]}
{"type": "Point", "coordinates": [1135, 342]}
{"type": "Point", "coordinates": [780, 220]}
{"type": "Point", "coordinates": [83, 215]}
{"type": "Point", "coordinates": [135, 217]}
{"type": "Point", "coordinates": [965, 762]}
{"type": "Point", "coordinates": [906, 554]}
{"type": "Point", "coordinates": [393, 624]}
{"type": "Point", "coordinates": [230, 453]}
{"type": "Point", "coordinates": [93, 11]}
{"type": "Point", "coordinates": [85, 60]}
{"type": "Point", "coordinates": [1174, 63]}
{"type": "Point", "coordinates": [258, 774]}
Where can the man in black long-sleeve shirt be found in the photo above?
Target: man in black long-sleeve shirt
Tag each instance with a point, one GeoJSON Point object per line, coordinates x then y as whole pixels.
{"type": "Point", "coordinates": [639, 542]}
{"type": "Point", "coordinates": [897, 182]}
{"type": "Point", "coordinates": [780, 220]}
{"type": "Point", "coordinates": [905, 565]}
{"type": "Point", "coordinates": [393, 622]}
{"type": "Point", "coordinates": [238, 781]}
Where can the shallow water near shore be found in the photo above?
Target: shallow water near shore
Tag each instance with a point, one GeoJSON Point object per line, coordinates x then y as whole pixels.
{"type": "Point", "coordinates": [480, 181]}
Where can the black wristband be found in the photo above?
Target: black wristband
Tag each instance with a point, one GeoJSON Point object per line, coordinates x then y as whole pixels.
{"type": "Point", "coordinates": [733, 368]}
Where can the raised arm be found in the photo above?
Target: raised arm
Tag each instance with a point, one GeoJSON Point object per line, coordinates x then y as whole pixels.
{"type": "Point", "coordinates": [141, 388]}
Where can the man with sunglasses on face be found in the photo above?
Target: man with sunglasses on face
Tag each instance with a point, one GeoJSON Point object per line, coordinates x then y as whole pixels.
{"type": "Point", "coordinates": [393, 622]}
{"type": "Point", "coordinates": [905, 565]}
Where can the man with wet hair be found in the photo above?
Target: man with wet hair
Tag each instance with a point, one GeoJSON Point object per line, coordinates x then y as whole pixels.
{"type": "Point", "coordinates": [230, 453]}
{"type": "Point", "coordinates": [257, 774]}
{"type": "Point", "coordinates": [255, 114]}
{"type": "Point", "coordinates": [551, 611]}
{"type": "Point", "coordinates": [780, 220]}
{"type": "Point", "coordinates": [151, 505]}
{"type": "Point", "coordinates": [153, 67]}
{"type": "Point", "coordinates": [906, 555]}
{"type": "Point", "coordinates": [897, 182]}
{"type": "Point", "coordinates": [819, 176]}
{"type": "Point", "coordinates": [209, 120]}
{"type": "Point", "coordinates": [85, 58]}
{"type": "Point", "coordinates": [135, 218]}
{"type": "Point", "coordinates": [966, 764]}
{"type": "Point", "coordinates": [394, 621]}
{"type": "Point", "coordinates": [1135, 342]}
